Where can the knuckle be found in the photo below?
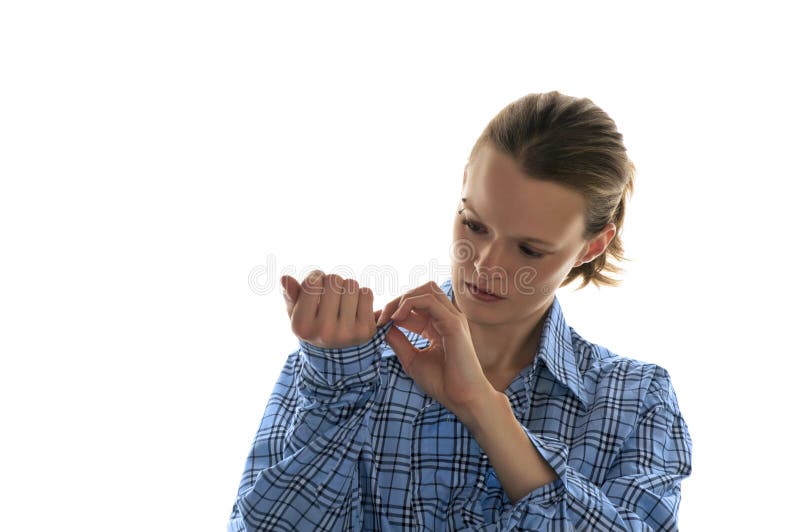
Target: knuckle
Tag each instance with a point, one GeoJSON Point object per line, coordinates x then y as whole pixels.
{"type": "Point", "coordinates": [313, 283]}
{"type": "Point", "coordinates": [327, 281]}
{"type": "Point", "coordinates": [351, 286]}
{"type": "Point", "coordinates": [341, 286]}
{"type": "Point", "coordinates": [314, 275]}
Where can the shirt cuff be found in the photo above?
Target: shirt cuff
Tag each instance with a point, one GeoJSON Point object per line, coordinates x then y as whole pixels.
{"type": "Point", "coordinates": [555, 453]}
{"type": "Point", "coordinates": [335, 364]}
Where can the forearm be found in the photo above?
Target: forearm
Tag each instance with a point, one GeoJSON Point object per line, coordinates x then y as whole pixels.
{"type": "Point", "coordinates": [319, 484]}
{"type": "Point", "coordinates": [535, 474]}
{"type": "Point", "coordinates": [516, 462]}
{"type": "Point", "coordinates": [335, 386]}
{"type": "Point", "coordinates": [316, 480]}
{"type": "Point", "coordinates": [302, 469]}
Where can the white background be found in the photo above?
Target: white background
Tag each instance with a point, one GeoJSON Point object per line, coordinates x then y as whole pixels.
{"type": "Point", "coordinates": [163, 162]}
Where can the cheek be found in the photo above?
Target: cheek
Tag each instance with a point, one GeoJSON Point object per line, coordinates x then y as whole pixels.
{"type": "Point", "coordinates": [462, 249]}
{"type": "Point", "coordinates": [462, 252]}
{"type": "Point", "coordinates": [535, 279]}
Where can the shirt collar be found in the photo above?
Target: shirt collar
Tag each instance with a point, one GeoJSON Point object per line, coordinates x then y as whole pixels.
{"type": "Point", "coordinates": [555, 347]}
{"type": "Point", "coordinates": [555, 350]}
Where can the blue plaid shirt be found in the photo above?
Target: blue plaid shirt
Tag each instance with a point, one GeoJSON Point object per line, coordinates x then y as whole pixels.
{"type": "Point", "coordinates": [349, 442]}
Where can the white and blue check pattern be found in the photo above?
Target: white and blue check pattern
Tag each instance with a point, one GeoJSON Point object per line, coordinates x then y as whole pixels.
{"type": "Point", "coordinates": [349, 442]}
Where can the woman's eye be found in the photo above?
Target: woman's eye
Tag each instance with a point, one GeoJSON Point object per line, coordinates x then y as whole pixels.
{"type": "Point", "coordinates": [475, 228]}
{"type": "Point", "coordinates": [530, 252]}
{"type": "Point", "coordinates": [471, 225]}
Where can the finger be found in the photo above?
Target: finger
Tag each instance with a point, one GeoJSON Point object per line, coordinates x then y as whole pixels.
{"type": "Point", "coordinates": [377, 314]}
{"type": "Point", "coordinates": [305, 309]}
{"type": "Point", "coordinates": [292, 288]}
{"type": "Point", "coordinates": [348, 304]}
{"type": "Point", "coordinates": [427, 288]}
{"type": "Point", "coordinates": [436, 290]}
{"type": "Point", "coordinates": [392, 306]}
{"type": "Point", "coordinates": [414, 322]}
{"type": "Point", "coordinates": [444, 320]}
{"type": "Point", "coordinates": [328, 311]}
{"type": "Point", "coordinates": [428, 302]}
{"type": "Point", "coordinates": [388, 310]}
{"type": "Point", "coordinates": [291, 291]}
{"type": "Point", "coordinates": [286, 297]}
{"type": "Point", "coordinates": [405, 350]}
{"type": "Point", "coordinates": [364, 313]}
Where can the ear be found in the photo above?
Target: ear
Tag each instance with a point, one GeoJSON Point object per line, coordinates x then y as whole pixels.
{"type": "Point", "coordinates": [597, 245]}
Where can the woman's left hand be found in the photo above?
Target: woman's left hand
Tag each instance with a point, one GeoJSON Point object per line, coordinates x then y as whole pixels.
{"type": "Point", "coordinates": [448, 369]}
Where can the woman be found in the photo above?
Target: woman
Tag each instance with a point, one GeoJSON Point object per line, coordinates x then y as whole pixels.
{"type": "Point", "coordinates": [472, 404]}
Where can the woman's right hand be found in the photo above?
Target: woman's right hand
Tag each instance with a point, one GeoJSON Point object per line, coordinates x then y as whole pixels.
{"type": "Point", "coordinates": [328, 311]}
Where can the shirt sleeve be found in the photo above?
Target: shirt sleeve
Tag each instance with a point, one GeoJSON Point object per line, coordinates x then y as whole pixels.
{"type": "Point", "coordinates": [301, 472]}
{"type": "Point", "coordinates": [641, 490]}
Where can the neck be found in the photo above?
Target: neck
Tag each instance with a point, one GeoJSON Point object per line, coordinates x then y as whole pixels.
{"type": "Point", "coordinates": [508, 347]}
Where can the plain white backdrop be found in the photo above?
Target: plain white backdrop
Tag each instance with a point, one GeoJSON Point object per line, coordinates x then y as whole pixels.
{"type": "Point", "coordinates": [163, 162]}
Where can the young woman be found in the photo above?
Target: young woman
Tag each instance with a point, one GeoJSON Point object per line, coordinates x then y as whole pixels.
{"type": "Point", "coordinates": [472, 405]}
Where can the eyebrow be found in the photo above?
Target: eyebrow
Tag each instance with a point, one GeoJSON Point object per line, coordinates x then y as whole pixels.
{"type": "Point", "coordinates": [526, 238]}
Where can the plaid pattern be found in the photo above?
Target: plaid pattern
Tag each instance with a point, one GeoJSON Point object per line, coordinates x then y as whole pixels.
{"type": "Point", "coordinates": [349, 442]}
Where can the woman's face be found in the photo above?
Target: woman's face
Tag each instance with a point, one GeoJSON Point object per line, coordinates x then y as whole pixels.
{"type": "Point", "coordinates": [515, 236]}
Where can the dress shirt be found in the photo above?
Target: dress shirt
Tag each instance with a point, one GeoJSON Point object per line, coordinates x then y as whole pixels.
{"type": "Point", "coordinates": [348, 441]}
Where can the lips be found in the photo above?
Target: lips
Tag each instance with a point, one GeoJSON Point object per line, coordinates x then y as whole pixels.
{"type": "Point", "coordinates": [484, 290]}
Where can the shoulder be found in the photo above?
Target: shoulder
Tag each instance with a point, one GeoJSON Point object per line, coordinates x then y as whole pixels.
{"type": "Point", "coordinates": [604, 371]}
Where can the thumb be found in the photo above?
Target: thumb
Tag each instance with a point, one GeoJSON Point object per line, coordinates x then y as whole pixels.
{"type": "Point", "coordinates": [404, 349]}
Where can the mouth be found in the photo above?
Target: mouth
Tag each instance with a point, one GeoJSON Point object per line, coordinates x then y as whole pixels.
{"type": "Point", "coordinates": [481, 292]}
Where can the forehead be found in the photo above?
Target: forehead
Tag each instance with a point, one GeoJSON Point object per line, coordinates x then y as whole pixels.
{"type": "Point", "coordinates": [500, 192]}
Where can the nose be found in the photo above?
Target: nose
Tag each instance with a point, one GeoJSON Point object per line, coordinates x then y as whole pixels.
{"type": "Point", "coordinates": [488, 261]}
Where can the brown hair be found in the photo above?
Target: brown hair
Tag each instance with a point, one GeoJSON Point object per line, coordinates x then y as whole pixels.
{"type": "Point", "coordinates": [570, 141]}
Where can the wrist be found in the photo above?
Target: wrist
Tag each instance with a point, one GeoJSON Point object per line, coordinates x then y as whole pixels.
{"type": "Point", "coordinates": [484, 411]}
{"type": "Point", "coordinates": [333, 364]}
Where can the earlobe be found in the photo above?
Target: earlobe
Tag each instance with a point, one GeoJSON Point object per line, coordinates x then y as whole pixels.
{"type": "Point", "coordinates": [584, 255]}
